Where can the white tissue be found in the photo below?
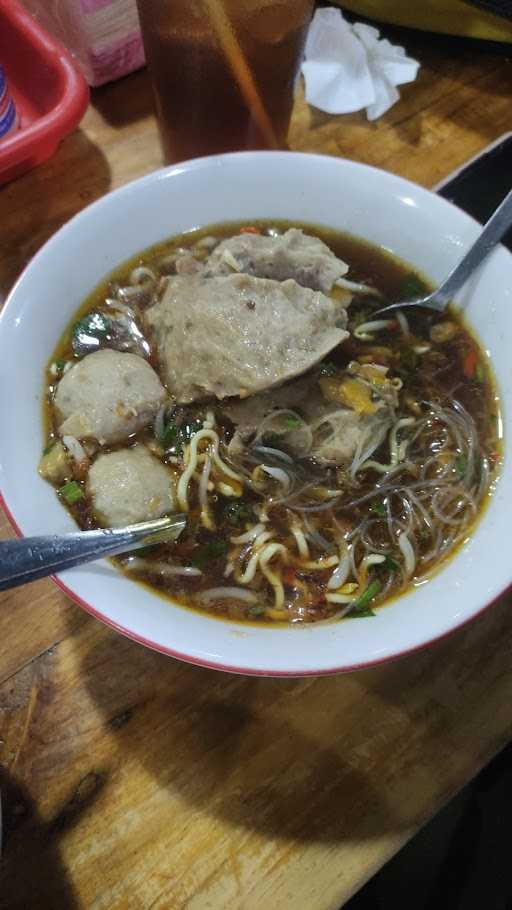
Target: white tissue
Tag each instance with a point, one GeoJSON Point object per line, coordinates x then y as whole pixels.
{"type": "Point", "coordinates": [348, 67]}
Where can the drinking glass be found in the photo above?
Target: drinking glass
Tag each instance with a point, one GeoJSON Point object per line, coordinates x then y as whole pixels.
{"type": "Point", "coordinates": [223, 71]}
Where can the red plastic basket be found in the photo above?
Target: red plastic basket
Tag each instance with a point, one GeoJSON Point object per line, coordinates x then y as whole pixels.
{"type": "Point", "coordinates": [49, 91]}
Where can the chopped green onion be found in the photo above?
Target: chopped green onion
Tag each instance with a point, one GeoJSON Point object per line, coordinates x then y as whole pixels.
{"type": "Point", "coordinates": [389, 564]}
{"type": "Point", "coordinates": [176, 437]}
{"type": "Point", "coordinates": [379, 508]}
{"type": "Point", "coordinates": [214, 549]}
{"type": "Point", "coordinates": [60, 363]}
{"type": "Point", "coordinates": [237, 512]}
{"type": "Point", "coordinates": [272, 439]}
{"type": "Point", "coordinates": [48, 448]}
{"type": "Point", "coordinates": [461, 466]}
{"type": "Point", "coordinates": [412, 286]}
{"type": "Point", "coordinates": [257, 610]}
{"type": "Point", "coordinates": [293, 423]}
{"type": "Point", "coordinates": [72, 492]}
{"type": "Point", "coordinates": [361, 607]}
{"type": "Point", "coordinates": [479, 373]}
{"type": "Point", "coordinates": [169, 436]}
{"type": "Point", "coordinates": [328, 368]}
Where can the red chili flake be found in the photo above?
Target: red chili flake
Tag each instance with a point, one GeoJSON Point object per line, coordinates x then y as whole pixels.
{"type": "Point", "coordinates": [289, 576]}
{"type": "Point", "coordinates": [469, 365]}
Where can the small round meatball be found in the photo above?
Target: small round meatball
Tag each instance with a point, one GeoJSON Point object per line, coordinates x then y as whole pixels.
{"type": "Point", "coordinates": [107, 396]}
{"type": "Point", "coordinates": [128, 486]}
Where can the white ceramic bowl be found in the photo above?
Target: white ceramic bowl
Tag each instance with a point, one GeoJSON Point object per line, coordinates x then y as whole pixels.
{"type": "Point", "coordinates": [420, 227]}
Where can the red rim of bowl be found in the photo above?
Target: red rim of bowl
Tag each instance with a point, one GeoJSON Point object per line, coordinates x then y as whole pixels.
{"type": "Point", "coordinates": [247, 671]}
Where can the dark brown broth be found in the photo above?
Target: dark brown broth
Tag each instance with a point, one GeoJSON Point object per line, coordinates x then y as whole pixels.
{"type": "Point", "coordinates": [429, 377]}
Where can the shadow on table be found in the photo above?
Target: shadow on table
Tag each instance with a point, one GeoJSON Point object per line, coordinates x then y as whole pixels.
{"type": "Point", "coordinates": [46, 198]}
{"type": "Point", "coordinates": [120, 107]}
{"type": "Point", "coordinates": [461, 858]}
{"type": "Point", "coordinates": [286, 758]}
{"type": "Point", "coordinates": [33, 875]}
{"type": "Point", "coordinates": [332, 759]}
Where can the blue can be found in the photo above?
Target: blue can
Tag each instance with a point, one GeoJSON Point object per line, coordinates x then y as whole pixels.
{"type": "Point", "coordinates": [8, 116]}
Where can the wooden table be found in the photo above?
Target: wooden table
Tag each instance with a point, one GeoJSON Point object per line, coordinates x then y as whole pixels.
{"type": "Point", "coordinates": [132, 781]}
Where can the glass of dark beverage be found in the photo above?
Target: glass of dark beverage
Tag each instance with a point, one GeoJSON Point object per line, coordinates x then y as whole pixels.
{"type": "Point", "coordinates": [224, 71]}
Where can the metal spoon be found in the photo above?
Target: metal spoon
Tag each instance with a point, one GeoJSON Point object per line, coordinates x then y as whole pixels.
{"type": "Point", "coordinates": [490, 236]}
{"type": "Point", "coordinates": [29, 558]}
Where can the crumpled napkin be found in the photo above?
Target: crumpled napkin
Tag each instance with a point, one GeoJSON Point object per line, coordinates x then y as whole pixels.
{"type": "Point", "coordinates": [349, 67]}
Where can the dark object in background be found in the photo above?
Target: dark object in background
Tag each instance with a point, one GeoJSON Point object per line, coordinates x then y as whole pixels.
{"type": "Point", "coordinates": [497, 7]}
{"type": "Point", "coordinates": [482, 183]}
{"type": "Point", "coordinates": [460, 859]}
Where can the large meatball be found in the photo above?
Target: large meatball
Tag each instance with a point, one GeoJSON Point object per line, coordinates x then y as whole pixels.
{"type": "Point", "coordinates": [107, 396]}
{"type": "Point", "coordinates": [291, 255]}
{"type": "Point", "coordinates": [128, 486]}
{"type": "Point", "coordinates": [240, 335]}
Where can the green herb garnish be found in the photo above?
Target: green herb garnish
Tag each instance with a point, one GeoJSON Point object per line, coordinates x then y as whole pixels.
{"type": "Point", "coordinates": [293, 423]}
{"type": "Point", "coordinates": [47, 449]}
{"type": "Point", "coordinates": [175, 437]}
{"type": "Point", "coordinates": [237, 512]}
{"type": "Point", "coordinates": [60, 363]}
{"type": "Point", "coordinates": [461, 466]}
{"type": "Point", "coordinates": [412, 287]}
{"type": "Point", "coordinates": [94, 325]}
{"type": "Point", "coordinates": [379, 508]}
{"type": "Point", "coordinates": [214, 549]}
{"type": "Point", "coordinates": [169, 436]}
{"type": "Point", "coordinates": [361, 607]}
{"type": "Point", "coordinates": [389, 564]}
{"type": "Point", "coordinates": [72, 492]}
{"type": "Point", "coordinates": [328, 368]}
{"type": "Point", "coordinates": [256, 610]}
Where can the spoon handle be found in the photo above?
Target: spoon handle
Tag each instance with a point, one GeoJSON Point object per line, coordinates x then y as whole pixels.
{"type": "Point", "coordinates": [30, 558]}
{"type": "Point", "coordinates": [490, 236]}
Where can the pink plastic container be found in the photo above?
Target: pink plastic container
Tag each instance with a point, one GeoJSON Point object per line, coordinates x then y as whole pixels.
{"type": "Point", "coordinates": [49, 91]}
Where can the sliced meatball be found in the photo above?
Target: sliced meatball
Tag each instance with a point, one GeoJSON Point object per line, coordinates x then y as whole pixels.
{"type": "Point", "coordinates": [340, 433]}
{"type": "Point", "coordinates": [240, 335]}
{"type": "Point", "coordinates": [128, 486]}
{"type": "Point", "coordinates": [107, 396]}
{"type": "Point", "coordinates": [300, 395]}
{"type": "Point", "coordinates": [291, 255]}
{"type": "Point", "coordinates": [248, 414]}
{"type": "Point", "coordinates": [368, 398]}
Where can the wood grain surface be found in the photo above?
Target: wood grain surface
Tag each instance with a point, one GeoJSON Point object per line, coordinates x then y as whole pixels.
{"type": "Point", "coordinates": [132, 782]}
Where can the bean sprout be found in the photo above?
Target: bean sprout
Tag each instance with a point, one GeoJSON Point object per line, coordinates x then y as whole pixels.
{"type": "Point", "coordinates": [408, 553]}
{"type": "Point", "coordinates": [228, 594]}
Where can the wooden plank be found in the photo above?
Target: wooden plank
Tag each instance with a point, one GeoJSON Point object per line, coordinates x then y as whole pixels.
{"type": "Point", "coordinates": [164, 785]}
{"type": "Point", "coordinates": [32, 620]}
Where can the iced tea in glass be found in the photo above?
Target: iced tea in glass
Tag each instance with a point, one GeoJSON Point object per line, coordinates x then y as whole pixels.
{"type": "Point", "coordinates": [224, 71]}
